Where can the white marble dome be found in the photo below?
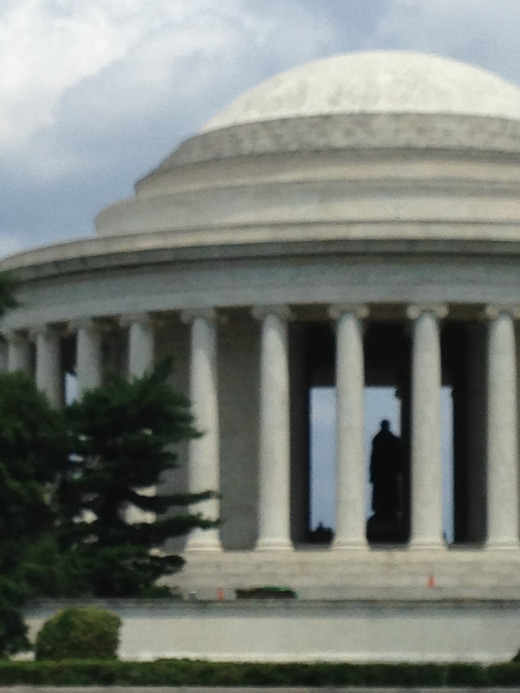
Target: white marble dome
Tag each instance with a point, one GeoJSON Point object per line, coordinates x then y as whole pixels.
{"type": "Point", "coordinates": [375, 82]}
{"type": "Point", "coordinates": [382, 143]}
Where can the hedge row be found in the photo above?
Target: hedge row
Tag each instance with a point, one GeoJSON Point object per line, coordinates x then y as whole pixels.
{"type": "Point", "coordinates": [201, 673]}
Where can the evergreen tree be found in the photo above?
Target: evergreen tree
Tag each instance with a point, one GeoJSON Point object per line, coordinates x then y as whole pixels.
{"type": "Point", "coordinates": [32, 453]}
{"type": "Point", "coordinates": [122, 436]}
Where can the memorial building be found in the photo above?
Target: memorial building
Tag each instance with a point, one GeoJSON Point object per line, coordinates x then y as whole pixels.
{"type": "Point", "coordinates": [352, 222]}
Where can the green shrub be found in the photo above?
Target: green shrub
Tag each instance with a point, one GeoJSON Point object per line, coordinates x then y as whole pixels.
{"type": "Point", "coordinates": [183, 673]}
{"type": "Point", "coordinates": [79, 633]}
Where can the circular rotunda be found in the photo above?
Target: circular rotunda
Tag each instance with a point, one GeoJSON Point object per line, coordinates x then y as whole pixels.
{"type": "Point", "coordinates": [349, 223]}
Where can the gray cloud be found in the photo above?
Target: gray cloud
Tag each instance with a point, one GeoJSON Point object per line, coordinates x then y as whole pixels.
{"type": "Point", "coordinates": [110, 127]}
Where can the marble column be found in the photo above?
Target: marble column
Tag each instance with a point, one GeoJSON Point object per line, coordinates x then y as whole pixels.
{"type": "Point", "coordinates": [88, 354]}
{"type": "Point", "coordinates": [48, 363]}
{"type": "Point", "coordinates": [204, 452]}
{"type": "Point", "coordinates": [141, 343]}
{"type": "Point", "coordinates": [426, 496]}
{"type": "Point", "coordinates": [502, 435]}
{"type": "Point", "coordinates": [141, 351]}
{"type": "Point", "coordinates": [18, 352]}
{"type": "Point", "coordinates": [274, 443]}
{"type": "Point", "coordinates": [350, 463]}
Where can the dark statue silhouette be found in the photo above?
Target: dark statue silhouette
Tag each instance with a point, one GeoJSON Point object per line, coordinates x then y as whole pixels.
{"type": "Point", "coordinates": [385, 477]}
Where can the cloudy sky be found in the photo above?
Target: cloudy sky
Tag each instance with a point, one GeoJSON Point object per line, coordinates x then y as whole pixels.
{"type": "Point", "coordinates": [94, 93]}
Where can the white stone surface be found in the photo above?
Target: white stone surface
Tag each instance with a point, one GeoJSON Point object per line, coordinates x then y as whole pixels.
{"type": "Point", "coordinates": [48, 364]}
{"type": "Point", "coordinates": [350, 464]}
{"type": "Point", "coordinates": [300, 273]}
{"type": "Point", "coordinates": [141, 344]}
{"type": "Point", "coordinates": [502, 435]}
{"type": "Point", "coordinates": [372, 630]}
{"type": "Point", "coordinates": [204, 468]}
{"type": "Point", "coordinates": [375, 82]}
{"type": "Point", "coordinates": [392, 572]}
{"type": "Point", "coordinates": [274, 432]}
{"type": "Point", "coordinates": [88, 355]}
{"type": "Point", "coordinates": [426, 459]}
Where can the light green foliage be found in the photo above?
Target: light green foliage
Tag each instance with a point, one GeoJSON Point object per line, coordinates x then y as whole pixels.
{"type": "Point", "coordinates": [79, 633]}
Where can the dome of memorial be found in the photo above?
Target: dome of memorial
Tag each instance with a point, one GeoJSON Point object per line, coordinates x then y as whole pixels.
{"type": "Point", "coordinates": [375, 82]}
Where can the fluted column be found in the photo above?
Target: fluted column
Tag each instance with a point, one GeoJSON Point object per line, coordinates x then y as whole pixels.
{"type": "Point", "coordinates": [502, 442]}
{"type": "Point", "coordinates": [350, 464]}
{"type": "Point", "coordinates": [274, 442]}
{"type": "Point", "coordinates": [18, 352]}
{"type": "Point", "coordinates": [426, 512]}
{"type": "Point", "coordinates": [48, 364]}
{"type": "Point", "coordinates": [204, 465]}
{"type": "Point", "coordinates": [141, 343]}
{"type": "Point", "coordinates": [88, 354]}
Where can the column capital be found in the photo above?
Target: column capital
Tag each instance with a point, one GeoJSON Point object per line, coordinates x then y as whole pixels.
{"type": "Point", "coordinates": [190, 314]}
{"type": "Point", "coordinates": [88, 324]}
{"type": "Point", "coordinates": [492, 311]}
{"type": "Point", "coordinates": [15, 336]}
{"type": "Point", "coordinates": [280, 310]}
{"type": "Point", "coordinates": [44, 330]}
{"type": "Point", "coordinates": [359, 310]}
{"type": "Point", "coordinates": [144, 319]}
{"type": "Point", "coordinates": [439, 310]}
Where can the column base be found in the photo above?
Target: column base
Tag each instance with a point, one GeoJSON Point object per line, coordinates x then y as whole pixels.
{"type": "Point", "coordinates": [274, 545]}
{"type": "Point", "coordinates": [427, 545]}
{"type": "Point", "coordinates": [203, 540]}
{"type": "Point", "coordinates": [350, 545]}
{"type": "Point", "coordinates": [502, 545]}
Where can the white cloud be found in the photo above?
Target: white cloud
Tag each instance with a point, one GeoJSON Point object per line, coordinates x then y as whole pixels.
{"type": "Point", "coordinates": [45, 47]}
{"type": "Point", "coordinates": [88, 66]}
{"type": "Point", "coordinates": [49, 46]}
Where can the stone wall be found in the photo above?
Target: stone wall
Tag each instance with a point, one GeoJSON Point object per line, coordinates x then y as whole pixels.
{"type": "Point", "coordinates": [292, 630]}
